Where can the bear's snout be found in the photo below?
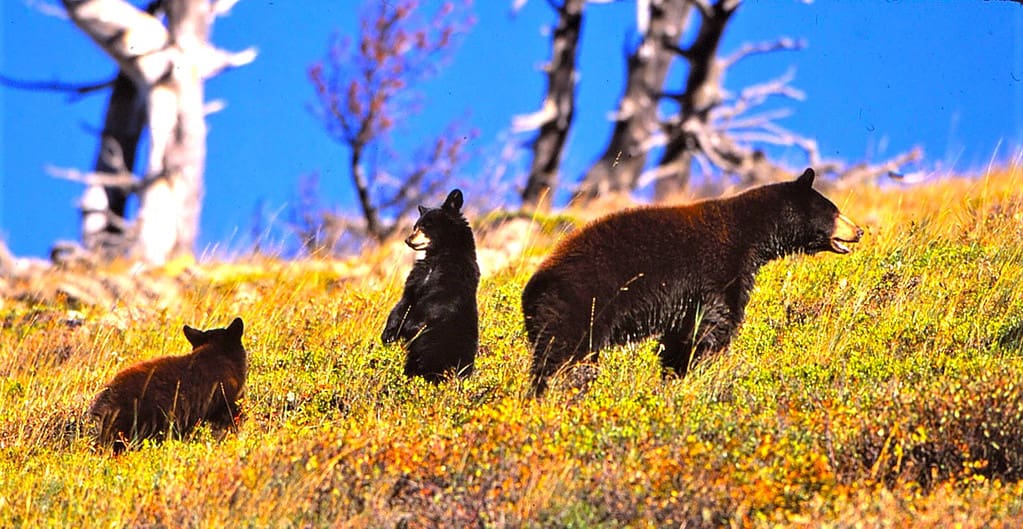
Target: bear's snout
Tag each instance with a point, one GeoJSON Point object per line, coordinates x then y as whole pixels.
{"type": "Point", "coordinates": [846, 231]}
{"type": "Point", "coordinates": [418, 241]}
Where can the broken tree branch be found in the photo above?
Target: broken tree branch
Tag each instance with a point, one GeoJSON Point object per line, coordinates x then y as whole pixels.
{"type": "Point", "coordinates": [133, 38]}
{"type": "Point", "coordinates": [636, 125]}
{"type": "Point", "coordinates": [785, 43]}
{"type": "Point", "coordinates": [76, 90]}
{"type": "Point", "coordinates": [865, 173]}
{"type": "Point", "coordinates": [126, 180]}
{"type": "Point", "coordinates": [555, 117]}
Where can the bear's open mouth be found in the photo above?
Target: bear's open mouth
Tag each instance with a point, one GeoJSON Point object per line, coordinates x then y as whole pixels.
{"type": "Point", "coordinates": [418, 241]}
{"type": "Point", "coordinates": [838, 247]}
{"type": "Point", "coordinates": [846, 232]}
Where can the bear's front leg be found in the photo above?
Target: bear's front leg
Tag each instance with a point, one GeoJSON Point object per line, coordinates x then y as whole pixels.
{"type": "Point", "coordinates": [395, 320]}
{"type": "Point", "coordinates": [221, 412]}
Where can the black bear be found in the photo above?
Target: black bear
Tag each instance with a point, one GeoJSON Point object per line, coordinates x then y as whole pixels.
{"type": "Point", "coordinates": [436, 316]}
{"type": "Point", "coordinates": [681, 273]}
{"type": "Point", "coordinates": [171, 394]}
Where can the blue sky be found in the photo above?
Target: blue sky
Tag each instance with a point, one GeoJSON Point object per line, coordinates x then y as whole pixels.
{"type": "Point", "coordinates": [879, 79]}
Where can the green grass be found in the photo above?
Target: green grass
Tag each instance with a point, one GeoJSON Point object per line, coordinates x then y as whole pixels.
{"type": "Point", "coordinates": [877, 388]}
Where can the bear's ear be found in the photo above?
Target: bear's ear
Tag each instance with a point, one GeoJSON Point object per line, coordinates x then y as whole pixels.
{"type": "Point", "coordinates": [422, 211]}
{"type": "Point", "coordinates": [454, 201]}
{"type": "Point", "coordinates": [806, 179]}
{"type": "Point", "coordinates": [234, 331]}
{"type": "Point", "coordinates": [194, 336]}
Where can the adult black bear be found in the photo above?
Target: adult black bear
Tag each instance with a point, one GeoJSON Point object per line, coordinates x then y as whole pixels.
{"type": "Point", "coordinates": [173, 393]}
{"type": "Point", "coordinates": [437, 316]}
{"type": "Point", "coordinates": [681, 273]}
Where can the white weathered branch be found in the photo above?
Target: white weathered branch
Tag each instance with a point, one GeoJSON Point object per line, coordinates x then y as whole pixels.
{"type": "Point", "coordinates": [47, 9]}
{"type": "Point", "coordinates": [785, 43]}
{"type": "Point", "coordinates": [136, 40]}
{"type": "Point", "coordinates": [124, 180]}
{"type": "Point", "coordinates": [642, 16]}
{"type": "Point", "coordinates": [754, 96]}
{"type": "Point", "coordinates": [756, 121]}
{"type": "Point", "coordinates": [703, 162]}
{"type": "Point", "coordinates": [653, 174]}
{"type": "Point", "coordinates": [223, 7]}
{"type": "Point", "coordinates": [216, 60]}
{"type": "Point", "coordinates": [778, 86]}
{"type": "Point", "coordinates": [710, 146]}
{"type": "Point", "coordinates": [214, 106]}
{"type": "Point", "coordinates": [848, 176]}
{"type": "Point", "coordinates": [528, 122]}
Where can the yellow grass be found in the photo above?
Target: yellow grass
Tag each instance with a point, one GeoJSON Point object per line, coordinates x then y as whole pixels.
{"type": "Point", "coordinates": [881, 388]}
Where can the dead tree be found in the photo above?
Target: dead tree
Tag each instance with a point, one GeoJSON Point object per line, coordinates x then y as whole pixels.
{"type": "Point", "coordinates": [555, 116]}
{"type": "Point", "coordinates": [704, 123]}
{"type": "Point", "coordinates": [725, 134]}
{"type": "Point", "coordinates": [160, 84]}
{"type": "Point", "coordinates": [364, 91]}
{"type": "Point", "coordinates": [636, 120]}
{"type": "Point", "coordinates": [722, 132]}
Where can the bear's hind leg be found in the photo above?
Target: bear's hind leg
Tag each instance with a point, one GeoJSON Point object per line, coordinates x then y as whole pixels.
{"type": "Point", "coordinates": [550, 354]}
{"type": "Point", "coordinates": [551, 339]}
{"type": "Point", "coordinates": [414, 364]}
{"type": "Point", "coordinates": [679, 352]}
{"type": "Point", "coordinates": [421, 362]}
{"type": "Point", "coordinates": [676, 352]}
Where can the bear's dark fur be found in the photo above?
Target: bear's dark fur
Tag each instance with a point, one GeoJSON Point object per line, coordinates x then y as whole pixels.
{"type": "Point", "coordinates": [171, 394]}
{"type": "Point", "coordinates": [682, 273]}
{"type": "Point", "coordinates": [437, 316]}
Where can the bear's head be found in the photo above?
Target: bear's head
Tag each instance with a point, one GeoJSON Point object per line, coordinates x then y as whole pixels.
{"type": "Point", "coordinates": [227, 341]}
{"type": "Point", "coordinates": [810, 222]}
{"type": "Point", "coordinates": [443, 228]}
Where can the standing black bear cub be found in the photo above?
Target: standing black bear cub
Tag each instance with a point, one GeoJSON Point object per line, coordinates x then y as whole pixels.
{"type": "Point", "coordinates": [436, 316]}
{"type": "Point", "coordinates": [173, 393]}
{"type": "Point", "coordinates": [681, 273]}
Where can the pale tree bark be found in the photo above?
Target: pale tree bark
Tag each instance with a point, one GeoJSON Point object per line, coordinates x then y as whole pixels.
{"type": "Point", "coordinates": [555, 116]}
{"type": "Point", "coordinates": [636, 120]}
{"type": "Point", "coordinates": [168, 66]}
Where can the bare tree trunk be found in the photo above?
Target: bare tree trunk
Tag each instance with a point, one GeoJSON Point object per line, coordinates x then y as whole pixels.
{"type": "Point", "coordinates": [369, 210]}
{"type": "Point", "coordinates": [555, 117]}
{"type": "Point", "coordinates": [169, 207]}
{"type": "Point", "coordinates": [104, 226]}
{"type": "Point", "coordinates": [702, 94]}
{"type": "Point", "coordinates": [168, 66]}
{"type": "Point", "coordinates": [636, 120]}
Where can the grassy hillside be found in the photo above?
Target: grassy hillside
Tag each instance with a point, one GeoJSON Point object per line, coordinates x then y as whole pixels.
{"type": "Point", "coordinates": [881, 388]}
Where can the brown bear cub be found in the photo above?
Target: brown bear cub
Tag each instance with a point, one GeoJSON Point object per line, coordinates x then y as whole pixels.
{"type": "Point", "coordinates": [171, 394]}
{"type": "Point", "coordinates": [683, 274]}
{"type": "Point", "coordinates": [436, 317]}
